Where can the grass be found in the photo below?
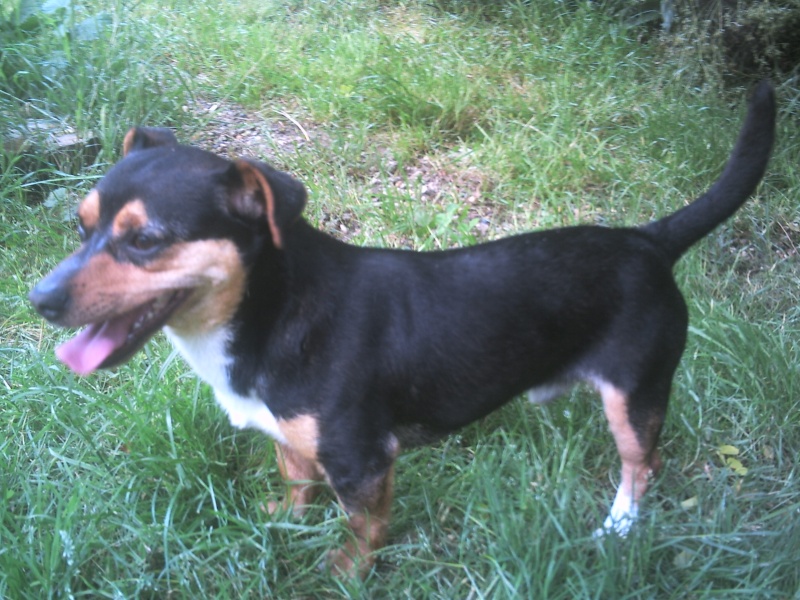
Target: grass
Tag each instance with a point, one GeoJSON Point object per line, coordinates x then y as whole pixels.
{"type": "Point", "coordinates": [431, 125]}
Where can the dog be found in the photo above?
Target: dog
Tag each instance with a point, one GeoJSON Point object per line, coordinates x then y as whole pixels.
{"type": "Point", "coordinates": [345, 355]}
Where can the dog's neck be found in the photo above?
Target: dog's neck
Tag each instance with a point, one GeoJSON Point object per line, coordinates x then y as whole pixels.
{"type": "Point", "coordinates": [230, 358]}
{"type": "Point", "coordinates": [207, 354]}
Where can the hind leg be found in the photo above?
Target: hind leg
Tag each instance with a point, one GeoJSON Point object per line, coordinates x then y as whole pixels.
{"type": "Point", "coordinates": [635, 427]}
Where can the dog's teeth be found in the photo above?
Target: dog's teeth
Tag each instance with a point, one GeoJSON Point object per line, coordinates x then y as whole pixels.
{"type": "Point", "coordinates": [154, 309]}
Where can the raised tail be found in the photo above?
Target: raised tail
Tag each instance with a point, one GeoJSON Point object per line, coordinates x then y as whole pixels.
{"type": "Point", "coordinates": [677, 232]}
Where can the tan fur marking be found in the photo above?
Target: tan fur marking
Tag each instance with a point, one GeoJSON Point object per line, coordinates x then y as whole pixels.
{"type": "Point", "coordinates": [249, 173]}
{"type": "Point", "coordinates": [635, 466]}
{"type": "Point", "coordinates": [131, 217]}
{"type": "Point", "coordinates": [127, 143]}
{"type": "Point", "coordinates": [302, 477]}
{"type": "Point", "coordinates": [220, 277]}
{"type": "Point", "coordinates": [89, 210]}
{"type": "Point", "coordinates": [105, 288]}
{"type": "Point", "coordinates": [302, 434]}
{"type": "Point", "coordinates": [370, 527]}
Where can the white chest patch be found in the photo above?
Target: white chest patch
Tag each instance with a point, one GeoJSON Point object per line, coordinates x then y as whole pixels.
{"type": "Point", "coordinates": [206, 354]}
{"type": "Point", "coordinates": [547, 392]}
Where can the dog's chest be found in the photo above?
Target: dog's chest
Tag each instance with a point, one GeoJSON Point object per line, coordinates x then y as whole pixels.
{"type": "Point", "coordinates": [207, 355]}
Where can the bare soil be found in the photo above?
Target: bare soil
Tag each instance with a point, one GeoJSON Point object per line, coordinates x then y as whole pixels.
{"type": "Point", "coordinates": [433, 180]}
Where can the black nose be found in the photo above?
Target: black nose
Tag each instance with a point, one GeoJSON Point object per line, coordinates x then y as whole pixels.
{"type": "Point", "coordinates": [50, 299]}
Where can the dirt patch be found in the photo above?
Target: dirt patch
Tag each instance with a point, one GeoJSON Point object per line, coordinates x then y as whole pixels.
{"type": "Point", "coordinates": [435, 181]}
{"type": "Point", "coordinates": [235, 132]}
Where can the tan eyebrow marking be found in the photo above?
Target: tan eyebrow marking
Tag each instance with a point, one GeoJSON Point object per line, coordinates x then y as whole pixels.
{"type": "Point", "coordinates": [89, 210]}
{"type": "Point", "coordinates": [132, 216]}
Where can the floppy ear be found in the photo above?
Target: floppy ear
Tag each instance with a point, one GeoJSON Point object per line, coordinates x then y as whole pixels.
{"type": "Point", "coordinates": [259, 191]}
{"type": "Point", "coordinates": [140, 138]}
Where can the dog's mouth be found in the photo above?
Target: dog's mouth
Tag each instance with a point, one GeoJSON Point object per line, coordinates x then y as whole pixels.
{"type": "Point", "coordinates": [110, 343]}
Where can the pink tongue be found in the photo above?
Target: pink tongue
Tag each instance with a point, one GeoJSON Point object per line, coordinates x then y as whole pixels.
{"type": "Point", "coordinates": [94, 344]}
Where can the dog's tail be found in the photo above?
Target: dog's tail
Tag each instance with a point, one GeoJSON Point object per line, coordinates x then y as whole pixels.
{"type": "Point", "coordinates": [746, 165]}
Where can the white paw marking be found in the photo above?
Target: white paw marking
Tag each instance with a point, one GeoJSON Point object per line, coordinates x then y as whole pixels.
{"type": "Point", "coordinates": [621, 517]}
{"type": "Point", "coordinates": [545, 393]}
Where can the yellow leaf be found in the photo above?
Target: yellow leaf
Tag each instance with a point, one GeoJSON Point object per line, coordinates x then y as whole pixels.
{"type": "Point", "coordinates": [728, 450]}
{"type": "Point", "coordinates": [736, 466]}
{"type": "Point", "coordinates": [689, 502]}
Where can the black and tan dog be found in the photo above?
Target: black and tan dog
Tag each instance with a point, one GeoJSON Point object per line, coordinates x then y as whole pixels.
{"type": "Point", "coordinates": [345, 355]}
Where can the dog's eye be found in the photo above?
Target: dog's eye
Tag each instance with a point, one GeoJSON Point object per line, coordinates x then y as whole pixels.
{"type": "Point", "coordinates": [144, 241]}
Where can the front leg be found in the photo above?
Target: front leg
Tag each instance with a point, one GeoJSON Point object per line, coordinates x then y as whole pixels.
{"type": "Point", "coordinates": [359, 465]}
{"type": "Point", "coordinates": [302, 477]}
{"type": "Point", "coordinates": [369, 508]}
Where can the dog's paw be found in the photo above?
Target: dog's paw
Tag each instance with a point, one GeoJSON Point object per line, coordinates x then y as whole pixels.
{"type": "Point", "coordinates": [348, 563]}
{"type": "Point", "coordinates": [619, 521]}
{"type": "Point", "coordinates": [271, 507]}
{"type": "Point", "coordinates": [341, 564]}
{"type": "Point", "coordinates": [619, 525]}
{"type": "Point", "coordinates": [621, 517]}
{"type": "Point", "coordinates": [274, 507]}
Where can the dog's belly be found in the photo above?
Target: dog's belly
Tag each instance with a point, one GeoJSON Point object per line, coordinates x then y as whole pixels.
{"type": "Point", "coordinates": [414, 435]}
{"type": "Point", "coordinates": [208, 357]}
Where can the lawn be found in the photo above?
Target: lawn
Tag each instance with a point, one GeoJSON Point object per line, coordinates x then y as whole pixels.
{"type": "Point", "coordinates": [417, 125]}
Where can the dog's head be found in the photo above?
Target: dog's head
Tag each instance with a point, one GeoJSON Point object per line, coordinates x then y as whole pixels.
{"type": "Point", "coordinates": [167, 237]}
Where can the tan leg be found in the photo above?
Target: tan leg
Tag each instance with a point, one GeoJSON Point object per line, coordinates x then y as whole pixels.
{"type": "Point", "coordinates": [370, 526]}
{"type": "Point", "coordinates": [302, 477]}
{"type": "Point", "coordinates": [640, 460]}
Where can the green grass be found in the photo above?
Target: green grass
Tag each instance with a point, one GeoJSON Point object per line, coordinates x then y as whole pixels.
{"type": "Point", "coordinates": [433, 124]}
